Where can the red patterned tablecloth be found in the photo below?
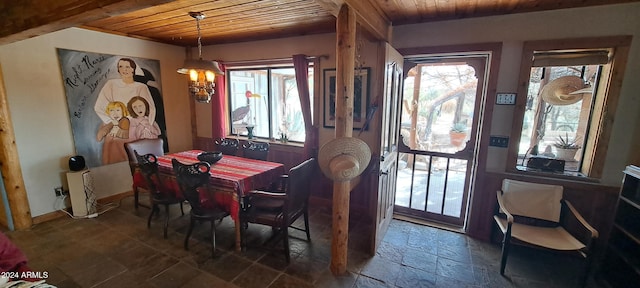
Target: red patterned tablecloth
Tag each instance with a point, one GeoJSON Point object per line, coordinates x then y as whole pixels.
{"type": "Point", "coordinates": [232, 175]}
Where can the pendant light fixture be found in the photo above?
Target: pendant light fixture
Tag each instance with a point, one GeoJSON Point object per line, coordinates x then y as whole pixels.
{"type": "Point", "coordinates": [201, 72]}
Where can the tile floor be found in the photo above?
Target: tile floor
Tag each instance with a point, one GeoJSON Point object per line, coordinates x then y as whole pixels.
{"type": "Point", "coordinates": [117, 250]}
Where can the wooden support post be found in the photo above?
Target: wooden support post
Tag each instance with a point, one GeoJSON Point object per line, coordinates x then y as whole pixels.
{"type": "Point", "coordinates": [340, 238]}
{"type": "Point", "coordinates": [10, 165]}
{"type": "Point", "coordinates": [345, 70]}
{"type": "Point", "coordinates": [345, 65]}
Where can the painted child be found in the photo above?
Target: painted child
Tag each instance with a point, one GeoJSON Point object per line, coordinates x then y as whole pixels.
{"type": "Point", "coordinates": [115, 133]}
{"type": "Point", "coordinates": [141, 127]}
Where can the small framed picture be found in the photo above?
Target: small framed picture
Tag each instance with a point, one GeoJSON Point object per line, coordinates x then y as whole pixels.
{"type": "Point", "coordinates": [360, 101]}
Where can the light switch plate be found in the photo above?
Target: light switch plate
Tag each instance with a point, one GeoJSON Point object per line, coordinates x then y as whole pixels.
{"type": "Point", "coordinates": [499, 141]}
{"type": "Point", "coordinates": [506, 98]}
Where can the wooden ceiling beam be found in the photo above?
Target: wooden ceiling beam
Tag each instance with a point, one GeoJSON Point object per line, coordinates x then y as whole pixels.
{"type": "Point", "coordinates": [25, 19]}
{"type": "Point", "coordinates": [368, 15]}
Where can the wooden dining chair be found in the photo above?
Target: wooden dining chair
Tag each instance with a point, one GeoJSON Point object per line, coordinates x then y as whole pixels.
{"type": "Point", "coordinates": [281, 210]}
{"type": "Point", "coordinates": [160, 194]}
{"type": "Point", "coordinates": [191, 179]}
{"type": "Point", "coordinates": [227, 146]}
{"type": "Point", "coordinates": [143, 146]}
{"type": "Point", "coordinates": [255, 150]}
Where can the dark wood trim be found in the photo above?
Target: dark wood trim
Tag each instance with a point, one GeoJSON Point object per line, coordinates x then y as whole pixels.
{"type": "Point", "coordinates": [290, 154]}
{"type": "Point", "coordinates": [489, 46]}
{"type": "Point", "coordinates": [204, 143]}
{"type": "Point", "coordinates": [478, 209]}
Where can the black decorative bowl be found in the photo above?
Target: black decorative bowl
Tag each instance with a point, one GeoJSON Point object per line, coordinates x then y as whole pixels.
{"type": "Point", "coordinates": [210, 157]}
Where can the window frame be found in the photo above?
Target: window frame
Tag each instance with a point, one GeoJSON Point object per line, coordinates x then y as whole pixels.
{"type": "Point", "coordinates": [266, 65]}
{"type": "Point", "coordinates": [602, 118]}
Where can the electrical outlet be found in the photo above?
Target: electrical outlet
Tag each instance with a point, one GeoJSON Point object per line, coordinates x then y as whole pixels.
{"type": "Point", "coordinates": [58, 191]}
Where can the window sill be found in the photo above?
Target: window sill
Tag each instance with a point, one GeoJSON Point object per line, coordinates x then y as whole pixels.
{"type": "Point", "coordinates": [566, 175]}
{"type": "Point", "coordinates": [271, 142]}
{"type": "Point", "coordinates": [295, 144]}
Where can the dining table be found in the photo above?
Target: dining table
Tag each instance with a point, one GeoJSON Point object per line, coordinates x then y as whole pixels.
{"type": "Point", "coordinates": [232, 177]}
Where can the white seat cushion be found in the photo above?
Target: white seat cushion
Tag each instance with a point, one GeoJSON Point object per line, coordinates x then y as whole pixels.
{"type": "Point", "coordinates": [540, 201]}
{"type": "Point", "coordinates": [553, 238]}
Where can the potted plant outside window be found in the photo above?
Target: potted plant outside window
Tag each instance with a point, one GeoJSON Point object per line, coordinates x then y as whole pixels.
{"type": "Point", "coordinates": [566, 147]}
{"type": "Point", "coordinates": [458, 133]}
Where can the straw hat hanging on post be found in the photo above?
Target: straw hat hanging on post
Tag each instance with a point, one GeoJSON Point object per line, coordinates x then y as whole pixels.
{"type": "Point", "coordinates": [341, 160]}
{"type": "Point", "coordinates": [565, 90]}
{"type": "Point", "coordinates": [344, 158]}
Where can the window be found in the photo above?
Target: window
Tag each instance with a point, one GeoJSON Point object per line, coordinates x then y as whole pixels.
{"type": "Point", "coordinates": [572, 89]}
{"type": "Point", "coordinates": [266, 98]}
{"type": "Point", "coordinates": [554, 122]}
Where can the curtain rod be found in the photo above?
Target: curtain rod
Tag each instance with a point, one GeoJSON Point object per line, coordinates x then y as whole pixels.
{"type": "Point", "coordinates": [275, 60]}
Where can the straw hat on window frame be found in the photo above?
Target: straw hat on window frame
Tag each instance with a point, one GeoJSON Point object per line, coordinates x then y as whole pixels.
{"type": "Point", "coordinates": [562, 90]}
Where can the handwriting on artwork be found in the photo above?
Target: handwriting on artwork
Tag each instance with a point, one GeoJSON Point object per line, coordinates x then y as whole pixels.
{"type": "Point", "coordinates": [86, 72]}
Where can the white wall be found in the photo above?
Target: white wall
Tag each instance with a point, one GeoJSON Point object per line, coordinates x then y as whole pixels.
{"type": "Point", "coordinates": [40, 116]}
{"type": "Point", "coordinates": [513, 30]}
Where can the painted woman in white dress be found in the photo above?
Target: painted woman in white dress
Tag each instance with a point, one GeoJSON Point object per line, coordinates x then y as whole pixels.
{"type": "Point", "coordinates": [122, 90]}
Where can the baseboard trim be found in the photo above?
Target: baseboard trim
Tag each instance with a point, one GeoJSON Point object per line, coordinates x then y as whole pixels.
{"type": "Point", "coordinates": [48, 217]}
{"type": "Point", "coordinates": [58, 214]}
{"type": "Point", "coordinates": [115, 197]}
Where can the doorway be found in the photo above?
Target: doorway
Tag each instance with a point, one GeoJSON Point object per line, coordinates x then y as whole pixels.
{"type": "Point", "coordinates": [442, 101]}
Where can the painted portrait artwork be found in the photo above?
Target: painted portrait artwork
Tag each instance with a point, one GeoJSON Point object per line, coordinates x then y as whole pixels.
{"type": "Point", "coordinates": [112, 100]}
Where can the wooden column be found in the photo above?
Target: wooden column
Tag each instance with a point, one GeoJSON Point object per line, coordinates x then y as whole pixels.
{"type": "Point", "coordinates": [10, 165]}
{"type": "Point", "coordinates": [345, 70]}
{"type": "Point", "coordinates": [345, 65]}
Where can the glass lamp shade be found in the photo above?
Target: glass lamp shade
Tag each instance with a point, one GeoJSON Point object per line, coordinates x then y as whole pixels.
{"type": "Point", "coordinates": [200, 64]}
{"type": "Point", "coordinates": [201, 75]}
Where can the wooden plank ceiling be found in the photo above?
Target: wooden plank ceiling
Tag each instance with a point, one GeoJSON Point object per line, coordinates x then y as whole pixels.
{"type": "Point", "coordinates": [229, 21]}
